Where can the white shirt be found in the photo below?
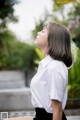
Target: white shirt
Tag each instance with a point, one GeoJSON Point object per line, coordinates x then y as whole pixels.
{"type": "Point", "coordinates": [50, 82]}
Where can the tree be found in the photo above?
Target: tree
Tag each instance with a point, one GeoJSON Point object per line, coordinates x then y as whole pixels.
{"type": "Point", "coordinates": [72, 21]}
{"type": "Point", "coordinates": [7, 13]}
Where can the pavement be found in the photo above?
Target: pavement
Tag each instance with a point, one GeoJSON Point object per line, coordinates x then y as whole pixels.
{"type": "Point", "coordinates": [73, 117]}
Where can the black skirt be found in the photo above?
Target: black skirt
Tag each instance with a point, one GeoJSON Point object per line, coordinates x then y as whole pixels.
{"type": "Point", "coordinates": [41, 114]}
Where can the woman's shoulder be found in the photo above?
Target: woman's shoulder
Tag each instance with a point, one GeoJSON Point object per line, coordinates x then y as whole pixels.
{"type": "Point", "coordinates": [57, 65]}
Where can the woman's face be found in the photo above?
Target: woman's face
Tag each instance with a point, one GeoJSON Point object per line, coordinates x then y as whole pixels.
{"type": "Point", "coordinates": [42, 38]}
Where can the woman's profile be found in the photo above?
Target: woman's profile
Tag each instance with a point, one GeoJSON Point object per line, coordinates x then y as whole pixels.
{"type": "Point", "coordinates": [49, 86]}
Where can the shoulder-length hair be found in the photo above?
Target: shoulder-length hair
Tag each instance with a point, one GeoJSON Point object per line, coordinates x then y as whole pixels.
{"type": "Point", "coordinates": [59, 43]}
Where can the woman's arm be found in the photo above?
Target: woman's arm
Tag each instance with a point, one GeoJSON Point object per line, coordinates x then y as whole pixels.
{"type": "Point", "coordinates": [57, 109]}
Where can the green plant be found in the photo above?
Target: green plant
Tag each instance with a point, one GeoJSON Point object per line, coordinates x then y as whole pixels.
{"type": "Point", "coordinates": [74, 79]}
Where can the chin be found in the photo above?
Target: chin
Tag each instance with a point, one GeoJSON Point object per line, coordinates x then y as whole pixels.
{"type": "Point", "coordinates": [36, 42]}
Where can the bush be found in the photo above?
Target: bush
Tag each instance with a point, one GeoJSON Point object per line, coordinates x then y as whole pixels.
{"type": "Point", "coordinates": [74, 79]}
{"type": "Point", "coordinates": [16, 55]}
{"type": "Point", "coordinates": [74, 85]}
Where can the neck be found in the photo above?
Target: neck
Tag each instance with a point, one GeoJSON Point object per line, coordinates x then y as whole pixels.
{"type": "Point", "coordinates": [44, 51]}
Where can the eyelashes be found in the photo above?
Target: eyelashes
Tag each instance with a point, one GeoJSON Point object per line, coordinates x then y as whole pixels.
{"type": "Point", "coordinates": [43, 29]}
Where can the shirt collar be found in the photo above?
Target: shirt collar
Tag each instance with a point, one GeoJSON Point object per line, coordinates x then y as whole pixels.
{"type": "Point", "coordinates": [44, 62]}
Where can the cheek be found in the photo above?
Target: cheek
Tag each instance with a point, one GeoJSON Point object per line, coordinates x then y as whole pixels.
{"type": "Point", "coordinates": [41, 41]}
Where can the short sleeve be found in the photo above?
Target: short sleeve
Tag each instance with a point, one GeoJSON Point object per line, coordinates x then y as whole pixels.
{"type": "Point", "coordinates": [57, 84]}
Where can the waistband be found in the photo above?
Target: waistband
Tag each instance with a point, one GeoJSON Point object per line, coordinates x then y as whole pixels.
{"type": "Point", "coordinates": [41, 114]}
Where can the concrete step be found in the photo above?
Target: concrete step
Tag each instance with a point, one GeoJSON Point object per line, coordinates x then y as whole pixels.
{"type": "Point", "coordinates": [73, 117]}
{"type": "Point", "coordinates": [15, 99]}
{"type": "Point", "coordinates": [12, 79]}
{"type": "Point", "coordinates": [21, 115]}
{"type": "Point", "coordinates": [28, 115]}
{"type": "Point", "coordinates": [31, 118]}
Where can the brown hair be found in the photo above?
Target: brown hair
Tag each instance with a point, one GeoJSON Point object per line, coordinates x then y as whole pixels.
{"type": "Point", "coordinates": [59, 43]}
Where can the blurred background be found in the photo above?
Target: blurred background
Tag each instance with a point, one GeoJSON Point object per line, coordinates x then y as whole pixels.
{"type": "Point", "coordinates": [20, 20]}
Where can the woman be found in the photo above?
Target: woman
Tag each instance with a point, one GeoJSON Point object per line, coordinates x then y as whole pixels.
{"type": "Point", "coordinates": [49, 85]}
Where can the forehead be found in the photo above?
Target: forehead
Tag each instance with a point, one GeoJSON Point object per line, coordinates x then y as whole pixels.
{"type": "Point", "coordinates": [45, 25]}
